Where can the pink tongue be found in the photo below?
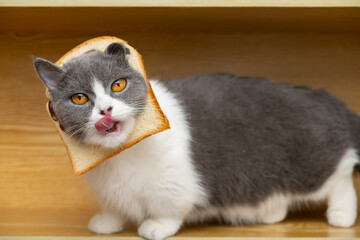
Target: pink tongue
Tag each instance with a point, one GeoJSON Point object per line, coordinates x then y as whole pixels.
{"type": "Point", "coordinates": [105, 125]}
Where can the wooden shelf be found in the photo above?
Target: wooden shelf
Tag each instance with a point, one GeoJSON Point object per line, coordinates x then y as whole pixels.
{"type": "Point", "coordinates": [179, 20]}
{"type": "Point", "coordinates": [180, 3]}
{"type": "Point", "coordinates": [40, 195]}
{"type": "Point", "coordinates": [313, 43]}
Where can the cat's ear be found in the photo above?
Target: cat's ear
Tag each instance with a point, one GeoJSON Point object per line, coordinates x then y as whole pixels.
{"type": "Point", "coordinates": [48, 73]}
{"type": "Point", "coordinates": [117, 50]}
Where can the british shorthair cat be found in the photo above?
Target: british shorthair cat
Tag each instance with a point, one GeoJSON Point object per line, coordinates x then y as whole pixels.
{"type": "Point", "coordinates": [240, 150]}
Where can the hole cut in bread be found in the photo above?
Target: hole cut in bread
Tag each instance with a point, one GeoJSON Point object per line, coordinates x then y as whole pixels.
{"type": "Point", "coordinates": [152, 120]}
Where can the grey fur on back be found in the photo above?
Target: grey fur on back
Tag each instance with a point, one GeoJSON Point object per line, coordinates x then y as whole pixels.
{"type": "Point", "coordinates": [253, 138]}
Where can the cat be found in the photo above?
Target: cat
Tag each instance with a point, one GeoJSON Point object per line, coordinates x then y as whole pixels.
{"type": "Point", "coordinates": [240, 150]}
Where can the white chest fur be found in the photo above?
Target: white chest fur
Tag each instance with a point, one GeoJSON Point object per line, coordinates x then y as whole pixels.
{"type": "Point", "coordinates": [154, 177]}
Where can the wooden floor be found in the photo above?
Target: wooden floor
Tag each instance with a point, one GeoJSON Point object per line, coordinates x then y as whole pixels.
{"type": "Point", "coordinates": [74, 223]}
{"type": "Point", "coordinates": [40, 195]}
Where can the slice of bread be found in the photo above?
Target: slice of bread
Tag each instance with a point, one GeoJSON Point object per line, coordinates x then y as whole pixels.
{"type": "Point", "coordinates": [152, 120]}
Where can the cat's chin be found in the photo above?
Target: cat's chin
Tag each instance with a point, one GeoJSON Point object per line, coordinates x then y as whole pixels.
{"type": "Point", "coordinates": [111, 140]}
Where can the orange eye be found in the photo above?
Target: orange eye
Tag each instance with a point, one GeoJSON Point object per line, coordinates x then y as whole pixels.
{"type": "Point", "coordinates": [79, 98]}
{"type": "Point", "coordinates": [118, 85]}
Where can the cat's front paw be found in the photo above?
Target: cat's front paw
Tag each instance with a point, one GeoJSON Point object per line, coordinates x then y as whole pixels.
{"type": "Point", "coordinates": [159, 229]}
{"type": "Point", "coordinates": [106, 223]}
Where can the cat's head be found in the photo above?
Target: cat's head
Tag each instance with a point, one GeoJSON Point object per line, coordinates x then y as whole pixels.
{"type": "Point", "coordinates": [97, 96]}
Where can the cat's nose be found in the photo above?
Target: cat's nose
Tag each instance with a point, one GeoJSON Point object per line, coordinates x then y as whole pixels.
{"type": "Point", "coordinates": [106, 112]}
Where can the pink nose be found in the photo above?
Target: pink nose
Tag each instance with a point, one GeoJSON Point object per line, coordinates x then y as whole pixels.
{"type": "Point", "coordinates": [106, 112]}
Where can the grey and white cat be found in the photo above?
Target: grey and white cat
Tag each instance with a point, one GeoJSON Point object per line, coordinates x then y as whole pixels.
{"type": "Point", "coordinates": [240, 150]}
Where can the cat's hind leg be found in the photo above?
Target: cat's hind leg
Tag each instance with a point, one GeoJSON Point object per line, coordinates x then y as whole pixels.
{"type": "Point", "coordinates": [106, 222]}
{"type": "Point", "coordinates": [342, 202]}
{"type": "Point", "coordinates": [271, 210]}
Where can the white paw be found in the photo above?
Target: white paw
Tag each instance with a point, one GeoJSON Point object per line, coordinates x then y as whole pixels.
{"type": "Point", "coordinates": [105, 224]}
{"type": "Point", "coordinates": [158, 230]}
{"type": "Point", "coordinates": [275, 216]}
{"type": "Point", "coordinates": [341, 218]}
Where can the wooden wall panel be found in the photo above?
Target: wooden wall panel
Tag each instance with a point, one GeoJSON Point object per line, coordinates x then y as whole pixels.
{"type": "Point", "coordinates": [181, 3]}
{"type": "Point", "coordinates": [34, 169]}
{"type": "Point", "coordinates": [103, 20]}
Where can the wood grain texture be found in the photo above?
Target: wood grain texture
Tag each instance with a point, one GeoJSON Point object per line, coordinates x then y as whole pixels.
{"type": "Point", "coordinates": [39, 193]}
{"type": "Point", "coordinates": [25, 222]}
{"type": "Point", "coordinates": [179, 20]}
{"type": "Point", "coordinates": [182, 3]}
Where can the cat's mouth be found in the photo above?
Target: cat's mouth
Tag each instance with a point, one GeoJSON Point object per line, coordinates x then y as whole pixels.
{"type": "Point", "coordinates": [108, 125]}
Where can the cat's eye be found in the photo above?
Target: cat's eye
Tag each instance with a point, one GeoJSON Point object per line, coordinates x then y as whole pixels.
{"type": "Point", "coordinates": [79, 98]}
{"type": "Point", "coordinates": [118, 85]}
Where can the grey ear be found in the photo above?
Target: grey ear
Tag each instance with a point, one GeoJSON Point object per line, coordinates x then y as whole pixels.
{"type": "Point", "coordinates": [48, 73]}
{"type": "Point", "coordinates": [117, 50]}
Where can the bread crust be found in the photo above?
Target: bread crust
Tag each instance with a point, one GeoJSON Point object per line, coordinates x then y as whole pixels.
{"type": "Point", "coordinates": [159, 118]}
